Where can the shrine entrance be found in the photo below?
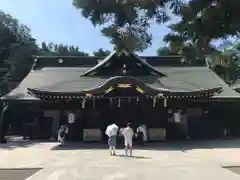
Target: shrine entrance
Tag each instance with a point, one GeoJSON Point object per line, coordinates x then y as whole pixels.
{"type": "Point", "coordinates": [127, 113]}
{"type": "Point", "coordinates": [136, 112]}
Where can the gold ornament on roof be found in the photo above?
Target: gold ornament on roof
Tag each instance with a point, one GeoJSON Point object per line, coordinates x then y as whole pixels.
{"type": "Point", "coordinates": [89, 95]}
{"type": "Point", "coordinates": [124, 85]}
{"type": "Point", "coordinates": [109, 89]}
{"type": "Point", "coordinates": [140, 90]}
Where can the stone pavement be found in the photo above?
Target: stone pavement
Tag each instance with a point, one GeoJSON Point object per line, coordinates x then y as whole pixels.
{"type": "Point", "coordinates": [182, 160]}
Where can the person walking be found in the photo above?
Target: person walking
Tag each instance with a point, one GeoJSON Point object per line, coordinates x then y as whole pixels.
{"type": "Point", "coordinates": [141, 134]}
{"type": "Point", "coordinates": [62, 134]}
{"type": "Point", "coordinates": [128, 137]}
{"type": "Point", "coordinates": [111, 132]}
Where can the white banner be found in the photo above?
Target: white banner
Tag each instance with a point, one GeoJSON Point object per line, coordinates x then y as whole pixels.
{"type": "Point", "coordinates": [71, 118]}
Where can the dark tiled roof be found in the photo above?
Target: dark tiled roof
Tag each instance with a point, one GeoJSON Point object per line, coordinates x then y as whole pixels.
{"type": "Point", "coordinates": [70, 80]}
{"type": "Point", "coordinates": [65, 74]}
{"type": "Point", "coordinates": [114, 64]}
{"type": "Point", "coordinates": [74, 61]}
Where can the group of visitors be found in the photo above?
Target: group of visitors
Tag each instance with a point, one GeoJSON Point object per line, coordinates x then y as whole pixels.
{"type": "Point", "coordinates": [127, 133]}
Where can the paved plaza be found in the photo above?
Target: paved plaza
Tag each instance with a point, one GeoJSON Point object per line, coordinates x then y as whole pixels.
{"type": "Point", "coordinates": [180, 160]}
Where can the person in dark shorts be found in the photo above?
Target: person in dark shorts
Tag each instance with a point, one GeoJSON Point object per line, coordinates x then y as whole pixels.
{"type": "Point", "coordinates": [112, 142]}
{"type": "Point", "coordinates": [111, 132]}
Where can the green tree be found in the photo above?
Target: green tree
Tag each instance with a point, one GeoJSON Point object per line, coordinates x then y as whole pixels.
{"type": "Point", "coordinates": [164, 51]}
{"type": "Point", "coordinates": [215, 19]}
{"type": "Point", "coordinates": [184, 40]}
{"type": "Point", "coordinates": [226, 60]}
{"type": "Point", "coordinates": [101, 53]}
{"type": "Point", "coordinates": [16, 50]}
{"type": "Point", "coordinates": [202, 21]}
{"type": "Point", "coordinates": [52, 49]}
{"type": "Point", "coordinates": [126, 22]}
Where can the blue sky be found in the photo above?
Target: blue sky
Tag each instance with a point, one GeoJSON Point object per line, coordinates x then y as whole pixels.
{"type": "Point", "coordinates": [59, 22]}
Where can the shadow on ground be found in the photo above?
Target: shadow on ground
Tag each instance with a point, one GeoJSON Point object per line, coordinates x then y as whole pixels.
{"type": "Point", "coordinates": [18, 142]}
{"type": "Point", "coordinates": [234, 169]}
{"type": "Point", "coordinates": [161, 146]}
{"type": "Point", "coordinates": [17, 174]}
{"type": "Point", "coordinates": [134, 157]}
{"type": "Point", "coordinates": [158, 146]}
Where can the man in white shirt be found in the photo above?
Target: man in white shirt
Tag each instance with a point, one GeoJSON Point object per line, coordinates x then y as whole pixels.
{"type": "Point", "coordinates": [128, 136]}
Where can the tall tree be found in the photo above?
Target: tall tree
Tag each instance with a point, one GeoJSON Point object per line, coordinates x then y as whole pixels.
{"type": "Point", "coordinates": [60, 50]}
{"type": "Point", "coordinates": [16, 50]}
{"type": "Point", "coordinates": [226, 60]}
{"type": "Point", "coordinates": [183, 39]}
{"type": "Point", "coordinates": [166, 51]}
{"type": "Point", "coordinates": [201, 22]}
{"type": "Point", "coordinates": [126, 22]}
{"type": "Point", "coordinates": [101, 53]}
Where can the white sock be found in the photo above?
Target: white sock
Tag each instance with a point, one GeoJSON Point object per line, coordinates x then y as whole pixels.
{"type": "Point", "coordinates": [114, 150]}
{"type": "Point", "coordinates": [126, 151]}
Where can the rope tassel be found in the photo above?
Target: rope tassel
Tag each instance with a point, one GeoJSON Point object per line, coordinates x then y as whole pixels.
{"type": "Point", "coordinates": [119, 102]}
{"type": "Point", "coordinates": [165, 102]}
{"type": "Point", "coordinates": [137, 100]}
{"type": "Point", "coordinates": [110, 102]}
{"type": "Point", "coordinates": [83, 103]}
{"type": "Point", "coordinates": [154, 102]}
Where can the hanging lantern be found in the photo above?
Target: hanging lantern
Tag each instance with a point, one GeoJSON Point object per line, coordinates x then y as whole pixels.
{"type": "Point", "coordinates": [71, 117]}
{"type": "Point", "coordinates": [119, 102]}
{"type": "Point", "coordinates": [165, 102]}
{"type": "Point", "coordinates": [154, 102]}
{"type": "Point", "coordinates": [83, 102]}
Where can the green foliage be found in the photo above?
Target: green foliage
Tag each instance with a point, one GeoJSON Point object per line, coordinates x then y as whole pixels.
{"type": "Point", "coordinates": [212, 19]}
{"type": "Point", "coordinates": [101, 53]}
{"type": "Point", "coordinates": [16, 50]}
{"type": "Point", "coordinates": [165, 51]}
{"type": "Point", "coordinates": [201, 22]}
{"type": "Point", "coordinates": [226, 60]}
{"type": "Point", "coordinates": [126, 22]}
{"type": "Point", "coordinates": [52, 49]}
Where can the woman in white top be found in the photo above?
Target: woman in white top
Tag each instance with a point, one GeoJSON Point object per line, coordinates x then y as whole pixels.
{"type": "Point", "coordinates": [128, 136]}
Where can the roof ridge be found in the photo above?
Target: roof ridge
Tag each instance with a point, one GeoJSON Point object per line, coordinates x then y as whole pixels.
{"type": "Point", "coordinates": [115, 55]}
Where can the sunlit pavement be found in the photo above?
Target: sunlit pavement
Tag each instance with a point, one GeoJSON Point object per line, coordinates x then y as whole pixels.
{"type": "Point", "coordinates": [182, 160]}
